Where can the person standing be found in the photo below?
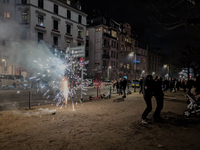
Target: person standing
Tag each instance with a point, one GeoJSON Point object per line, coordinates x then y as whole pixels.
{"type": "Point", "coordinates": [147, 95]}
{"type": "Point", "coordinates": [159, 95]}
{"type": "Point", "coordinates": [113, 84]}
{"type": "Point", "coordinates": [141, 87]}
{"type": "Point", "coordinates": [120, 87]}
{"type": "Point", "coordinates": [124, 83]}
{"type": "Point", "coordinates": [117, 86]}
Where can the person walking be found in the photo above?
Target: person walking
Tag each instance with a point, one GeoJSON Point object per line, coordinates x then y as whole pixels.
{"type": "Point", "coordinates": [120, 87]}
{"type": "Point", "coordinates": [113, 84]}
{"type": "Point", "coordinates": [117, 86]}
{"type": "Point", "coordinates": [147, 95]}
{"type": "Point", "coordinates": [141, 87]}
{"type": "Point", "coordinates": [124, 83]}
{"type": "Point", "coordinates": [159, 95]}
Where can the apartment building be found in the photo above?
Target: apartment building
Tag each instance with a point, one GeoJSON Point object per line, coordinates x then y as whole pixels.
{"type": "Point", "coordinates": [102, 47]}
{"type": "Point", "coordinates": [59, 23]}
{"type": "Point", "coordinates": [133, 54]}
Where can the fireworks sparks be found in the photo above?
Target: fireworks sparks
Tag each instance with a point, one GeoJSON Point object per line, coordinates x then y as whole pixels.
{"type": "Point", "coordinates": [61, 76]}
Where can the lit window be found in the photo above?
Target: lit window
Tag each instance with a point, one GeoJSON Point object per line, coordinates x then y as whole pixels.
{"type": "Point", "coordinates": [6, 14]}
{"type": "Point", "coordinates": [68, 2]}
{"type": "Point", "coordinates": [87, 33]}
{"type": "Point", "coordinates": [79, 33]}
{"type": "Point", "coordinates": [104, 30]}
{"type": "Point", "coordinates": [114, 34]}
{"type": "Point", "coordinates": [40, 20]}
{"type": "Point", "coordinates": [128, 66]}
{"type": "Point", "coordinates": [124, 66]}
{"type": "Point", "coordinates": [97, 30]}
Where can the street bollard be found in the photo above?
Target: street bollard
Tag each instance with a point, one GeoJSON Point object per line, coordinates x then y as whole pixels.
{"type": "Point", "coordinates": [110, 90]}
{"type": "Point", "coordinates": [97, 92]}
{"type": "Point", "coordinates": [29, 99]}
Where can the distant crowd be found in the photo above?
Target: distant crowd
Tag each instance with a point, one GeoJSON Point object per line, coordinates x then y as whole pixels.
{"type": "Point", "coordinates": [156, 87]}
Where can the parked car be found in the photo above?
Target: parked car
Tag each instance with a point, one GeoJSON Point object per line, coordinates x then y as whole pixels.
{"type": "Point", "coordinates": [9, 80]}
{"type": "Point", "coordinates": [135, 83]}
{"type": "Point", "coordinates": [12, 81]}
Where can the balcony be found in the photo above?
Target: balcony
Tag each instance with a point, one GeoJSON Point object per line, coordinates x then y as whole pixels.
{"type": "Point", "coordinates": [106, 46]}
{"type": "Point", "coordinates": [104, 67]}
{"type": "Point", "coordinates": [108, 35]}
{"type": "Point", "coordinates": [106, 56]}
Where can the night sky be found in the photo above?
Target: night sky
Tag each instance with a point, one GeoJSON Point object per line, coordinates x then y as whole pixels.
{"type": "Point", "coordinates": [162, 21]}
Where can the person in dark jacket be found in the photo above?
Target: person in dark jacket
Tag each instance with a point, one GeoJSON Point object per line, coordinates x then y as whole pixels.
{"type": "Point", "coordinates": [117, 86]}
{"type": "Point", "coordinates": [124, 83]}
{"type": "Point", "coordinates": [159, 95]}
{"type": "Point", "coordinates": [147, 94]}
{"type": "Point", "coordinates": [141, 85]}
{"type": "Point", "coordinates": [120, 87]}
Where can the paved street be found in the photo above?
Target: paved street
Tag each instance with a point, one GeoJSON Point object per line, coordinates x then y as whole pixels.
{"type": "Point", "coordinates": [113, 124]}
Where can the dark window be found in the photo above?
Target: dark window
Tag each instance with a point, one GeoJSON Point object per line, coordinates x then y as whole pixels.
{"type": "Point", "coordinates": [68, 14]}
{"type": "Point", "coordinates": [79, 44]}
{"type": "Point", "coordinates": [55, 25]}
{"type": "Point", "coordinates": [24, 18]}
{"type": "Point", "coordinates": [79, 18]}
{"type": "Point", "coordinates": [117, 56]}
{"type": "Point", "coordinates": [7, 1]}
{"type": "Point", "coordinates": [104, 52]}
{"type": "Point", "coordinates": [55, 40]}
{"type": "Point", "coordinates": [104, 63]}
{"type": "Point", "coordinates": [114, 54]}
{"type": "Point", "coordinates": [10, 77]}
{"type": "Point", "coordinates": [68, 29]}
{"type": "Point", "coordinates": [116, 65]}
{"type": "Point", "coordinates": [55, 9]}
{"type": "Point", "coordinates": [24, 2]}
{"type": "Point", "coordinates": [87, 43]}
{"type": "Point", "coordinates": [4, 1]}
{"type": "Point", "coordinates": [104, 42]}
{"type": "Point", "coordinates": [40, 36]}
{"type": "Point", "coordinates": [111, 53]}
{"type": "Point", "coordinates": [87, 53]}
{"type": "Point", "coordinates": [40, 3]}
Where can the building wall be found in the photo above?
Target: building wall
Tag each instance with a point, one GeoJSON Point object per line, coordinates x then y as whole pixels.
{"type": "Point", "coordinates": [29, 30]}
{"type": "Point", "coordinates": [103, 53]}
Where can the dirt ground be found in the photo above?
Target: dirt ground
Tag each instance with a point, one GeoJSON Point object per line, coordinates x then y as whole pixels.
{"type": "Point", "coordinates": [107, 124]}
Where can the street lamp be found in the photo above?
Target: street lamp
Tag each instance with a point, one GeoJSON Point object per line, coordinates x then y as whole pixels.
{"type": "Point", "coordinates": [167, 66]}
{"type": "Point", "coordinates": [5, 69]}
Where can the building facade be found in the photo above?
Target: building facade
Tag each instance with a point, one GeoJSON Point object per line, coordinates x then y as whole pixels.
{"type": "Point", "coordinates": [102, 47]}
{"type": "Point", "coordinates": [133, 57]}
{"type": "Point", "coordinates": [59, 23]}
